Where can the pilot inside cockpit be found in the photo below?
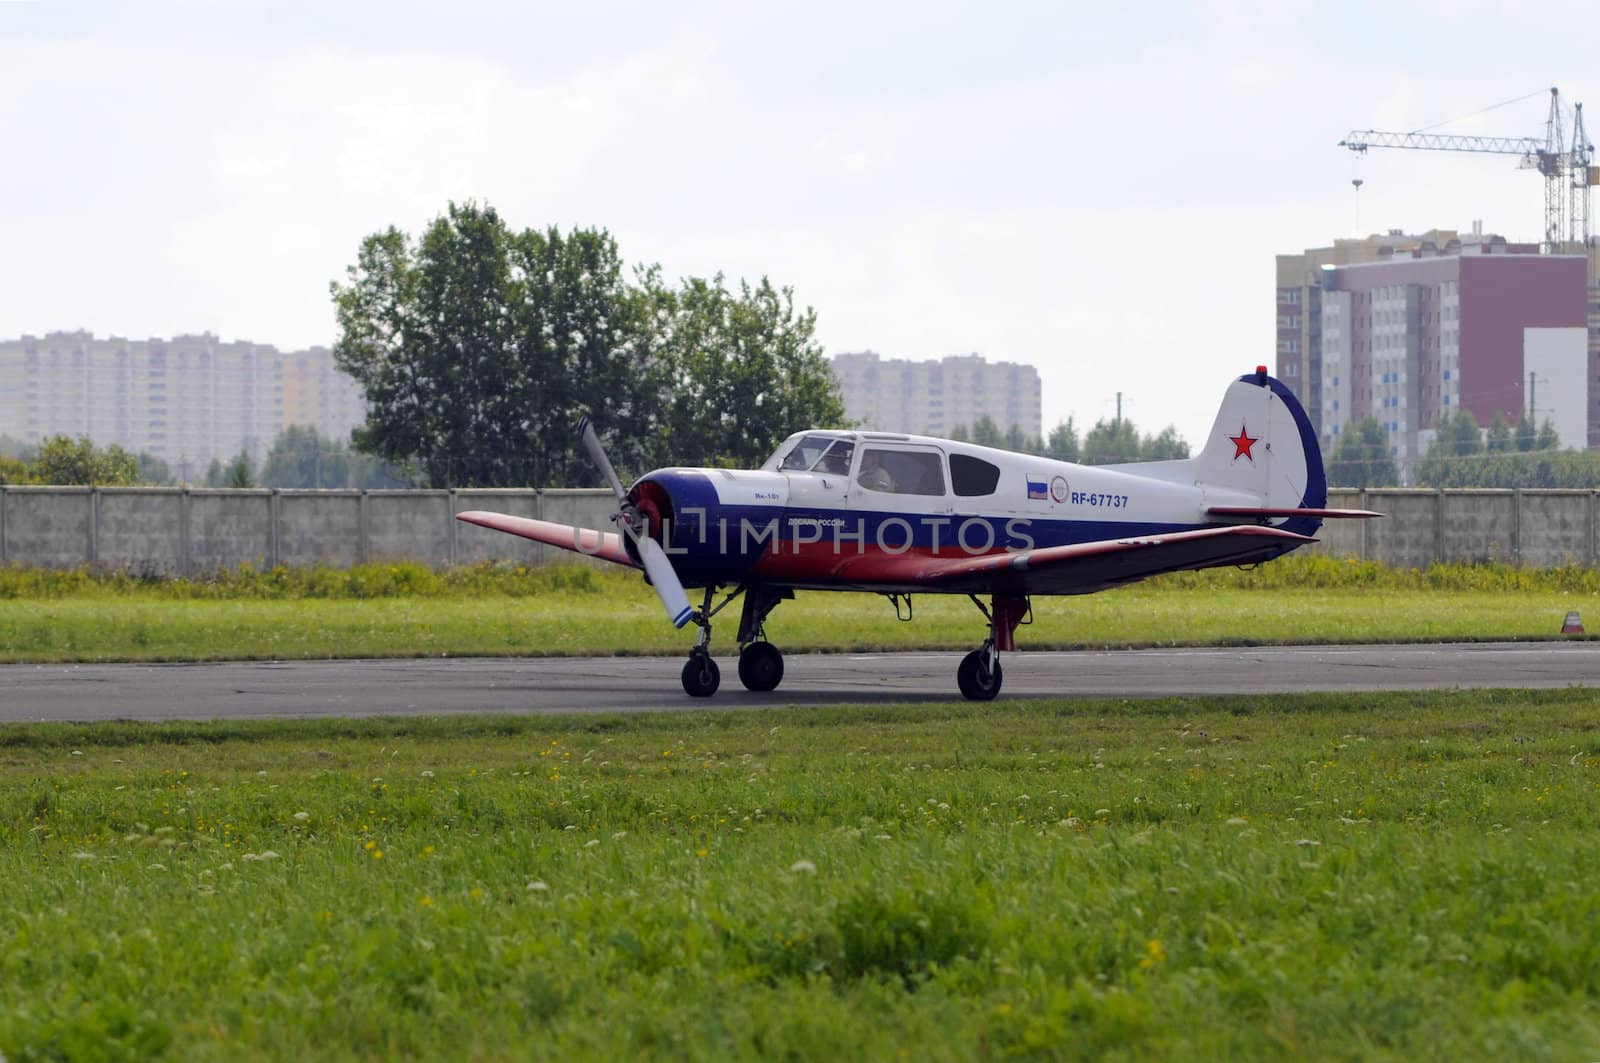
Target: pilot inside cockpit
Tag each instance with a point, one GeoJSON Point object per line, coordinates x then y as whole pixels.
{"type": "Point", "coordinates": [837, 459]}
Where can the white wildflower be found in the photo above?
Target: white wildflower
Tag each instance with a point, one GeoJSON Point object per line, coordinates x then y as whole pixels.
{"type": "Point", "coordinates": [1101, 812]}
{"type": "Point", "coordinates": [1307, 841]}
{"type": "Point", "coordinates": [619, 834]}
{"type": "Point", "coordinates": [77, 753]}
{"type": "Point", "coordinates": [1237, 821]}
{"type": "Point", "coordinates": [537, 887]}
{"type": "Point", "coordinates": [426, 774]}
{"type": "Point", "coordinates": [83, 856]}
{"type": "Point", "coordinates": [803, 867]}
{"type": "Point", "coordinates": [591, 843]}
{"type": "Point", "coordinates": [301, 817]}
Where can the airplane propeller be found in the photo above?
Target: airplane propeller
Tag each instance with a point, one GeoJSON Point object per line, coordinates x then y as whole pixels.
{"type": "Point", "coordinates": [668, 587]}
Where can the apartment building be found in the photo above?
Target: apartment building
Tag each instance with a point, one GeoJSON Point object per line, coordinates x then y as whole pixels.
{"type": "Point", "coordinates": [1407, 329]}
{"type": "Point", "coordinates": [936, 396]}
{"type": "Point", "coordinates": [189, 400]}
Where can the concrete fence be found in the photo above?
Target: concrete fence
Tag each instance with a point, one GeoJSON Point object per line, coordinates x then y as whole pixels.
{"type": "Point", "coordinates": [192, 531]}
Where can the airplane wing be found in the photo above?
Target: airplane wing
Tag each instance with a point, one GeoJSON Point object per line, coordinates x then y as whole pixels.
{"type": "Point", "coordinates": [607, 546]}
{"type": "Point", "coordinates": [1084, 567]}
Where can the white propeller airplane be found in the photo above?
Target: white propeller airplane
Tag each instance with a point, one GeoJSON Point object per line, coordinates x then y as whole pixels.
{"type": "Point", "coordinates": [901, 514]}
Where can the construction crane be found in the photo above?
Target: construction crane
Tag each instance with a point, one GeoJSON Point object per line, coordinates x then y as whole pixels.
{"type": "Point", "coordinates": [1569, 172]}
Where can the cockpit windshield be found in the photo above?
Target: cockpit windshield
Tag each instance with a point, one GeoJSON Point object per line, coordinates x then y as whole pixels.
{"type": "Point", "coordinates": [805, 453]}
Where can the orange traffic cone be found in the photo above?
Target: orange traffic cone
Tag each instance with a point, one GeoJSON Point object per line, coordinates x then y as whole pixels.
{"type": "Point", "coordinates": [1573, 625]}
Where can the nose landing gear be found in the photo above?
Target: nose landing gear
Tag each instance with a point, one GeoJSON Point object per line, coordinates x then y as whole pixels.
{"type": "Point", "coordinates": [979, 675]}
{"type": "Point", "coordinates": [760, 662]}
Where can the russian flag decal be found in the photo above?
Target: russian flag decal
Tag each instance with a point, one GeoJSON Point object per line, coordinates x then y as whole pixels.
{"type": "Point", "coordinates": [1038, 489]}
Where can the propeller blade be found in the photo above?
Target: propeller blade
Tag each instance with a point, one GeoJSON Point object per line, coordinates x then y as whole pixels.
{"type": "Point", "coordinates": [597, 454]}
{"type": "Point", "coordinates": [662, 576]}
{"type": "Point", "coordinates": [668, 588]}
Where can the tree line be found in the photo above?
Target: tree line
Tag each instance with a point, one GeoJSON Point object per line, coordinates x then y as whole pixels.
{"type": "Point", "coordinates": [1109, 442]}
{"type": "Point", "coordinates": [480, 347]}
{"type": "Point", "coordinates": [1464, 455]}
{"type": "Point", "coordinates": [301, 457]}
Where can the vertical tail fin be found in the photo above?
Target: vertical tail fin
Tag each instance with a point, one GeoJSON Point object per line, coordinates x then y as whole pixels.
{"type": "Point", "coordinates": [1262, 444]}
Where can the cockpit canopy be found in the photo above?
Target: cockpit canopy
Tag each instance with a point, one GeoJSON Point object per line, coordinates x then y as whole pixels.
{"type": "Point", "coordinates": [890, 464]}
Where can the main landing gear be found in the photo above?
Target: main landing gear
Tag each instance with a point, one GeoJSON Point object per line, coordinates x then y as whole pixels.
{"type": "Point", "coordinates": [979, 674]}
{"type": "Point", "coordinates": [760, 662]}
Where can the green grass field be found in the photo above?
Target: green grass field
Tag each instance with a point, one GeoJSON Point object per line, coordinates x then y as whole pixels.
{"type": "Point", "coordinates": [1320, 876]}
{"type": "Point", "coordinates": [384, 611]}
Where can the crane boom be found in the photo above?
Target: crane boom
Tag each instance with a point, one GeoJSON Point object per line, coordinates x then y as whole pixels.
{"type": "Point", "coordinates": [1548, 155]}
{"type": "Point", "coordinates": [1362, 139]}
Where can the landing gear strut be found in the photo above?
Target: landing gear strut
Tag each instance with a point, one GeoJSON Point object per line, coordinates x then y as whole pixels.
{"type": "Point", "coordinates": [760, 662]}
{"type": "Point", "coordinates": [701, 676]}
{"type": "Point", "coordinates": [980, 675]}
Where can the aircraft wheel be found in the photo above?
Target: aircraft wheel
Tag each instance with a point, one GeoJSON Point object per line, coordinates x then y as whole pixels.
{"type": "Point", "coordinates": [760, 666]}
{"type": "Point", "coordinates": [977, 682]}
{"type": "Point", "coordinates": [701, 676]}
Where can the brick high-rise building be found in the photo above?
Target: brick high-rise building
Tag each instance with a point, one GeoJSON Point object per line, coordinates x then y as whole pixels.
{"type": "Point", "coordinates": [1406, 329]}
{"type": "Point", "coordinates": [937, 396]}
{"type": "Point", "coordinates": [189, 400]}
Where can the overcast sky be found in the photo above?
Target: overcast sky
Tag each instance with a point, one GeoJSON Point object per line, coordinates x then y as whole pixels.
{"type": "Point", "coordinates": [1096, 189]}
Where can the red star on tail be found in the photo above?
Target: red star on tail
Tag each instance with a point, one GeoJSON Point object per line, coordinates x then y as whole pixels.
{"type": "Point", "coordinates": [1242, 444]}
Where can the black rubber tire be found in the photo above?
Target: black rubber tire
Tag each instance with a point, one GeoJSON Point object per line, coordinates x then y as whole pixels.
{"type": "Point", "coordinates": [701, 676]}
{"type": "Point", "coordinates": [976, 682]}
{"type": "Point", "coordinates": [760, 666]}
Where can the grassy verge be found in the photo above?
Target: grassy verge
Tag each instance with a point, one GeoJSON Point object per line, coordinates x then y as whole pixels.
{"type": "Point", "coordinates": [616, 616]}
{"type": "Point", "coordinates": [1328, 876]}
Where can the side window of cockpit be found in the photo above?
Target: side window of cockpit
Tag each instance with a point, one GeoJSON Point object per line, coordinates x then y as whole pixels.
{"type": "Point", "coordinates": [973, 476]}
{"type": "Point", "coordinates": [901, 472]}
{"type": "Point", "coordinates": [837, 459]}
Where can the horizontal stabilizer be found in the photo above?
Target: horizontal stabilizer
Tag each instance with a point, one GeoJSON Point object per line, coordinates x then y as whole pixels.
{"type": "Point", "coordinates": [1259, 511]}
{"type": "Point", "coordinates": [607, 546]}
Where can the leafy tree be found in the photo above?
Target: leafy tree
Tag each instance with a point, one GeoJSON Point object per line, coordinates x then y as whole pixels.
{"type": "Point", "coordinates": [1499, 441]}
{"type": "Point", "coordinates": [15, 471]}
{"type": "Point", "coordinates": [1063, 442]}
{"type": "Point", "coordinates": [237, 471]}
{"type": "Point", "coordinates": [1457, 445]}
{"type": "Point", "coordinates": [1362, 457]}
{"type": "Point", "coordinates": [479, 348]}
{"type": "Point", "coordinates": [986, 433]}
{"type": "Point", "coordinates": [1168, 446]}
{"type": "Point", "coordinates": [302, 457]}
{"type": "Point", "coordinates": [1458, 435]}
{"type": "Point", "coordinates": [1015, 439]}
{"type": "Point", "coordinates": [241, 471]}
{"type": "Point", "coordinates": [475, 344]}
{"type": "Point", "coordinates": [1112, 442]}
{"type": "Point", "coordinates": [62, 460]}
{"type": "Point", "coordinates": [735, 372]}
{"type": "Point", "coordinates": [152, 470]}
{"type": "Point", "coordinates": [960, 434]}
{"type": "Point", "coordinates": [1526, 435]}
{"type": "Point", "coordinates": [1547, 438]}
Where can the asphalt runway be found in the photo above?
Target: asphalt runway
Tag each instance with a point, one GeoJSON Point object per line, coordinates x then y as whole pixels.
{"type": "Point", "coordinates": [650, 684]}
